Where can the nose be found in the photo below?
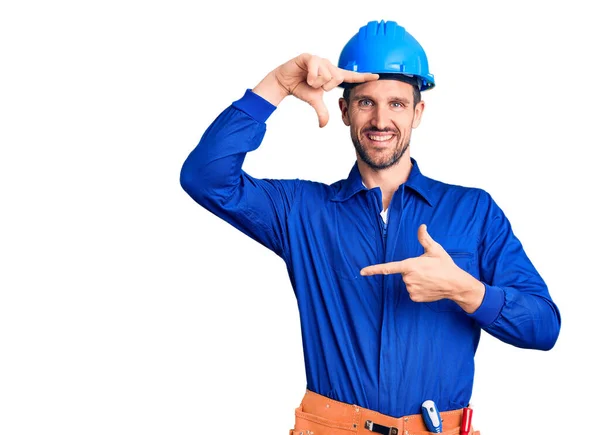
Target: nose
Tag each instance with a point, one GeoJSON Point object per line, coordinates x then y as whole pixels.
{"type": "Point", "coordinates": [380, 118]}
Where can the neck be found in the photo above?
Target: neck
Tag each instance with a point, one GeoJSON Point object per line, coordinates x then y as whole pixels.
{"type": "Point", "coordinates": [388, 180]}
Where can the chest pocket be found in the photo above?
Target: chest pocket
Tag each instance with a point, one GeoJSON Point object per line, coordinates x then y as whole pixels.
{"type": "Point", "coordinates": [463, 250]}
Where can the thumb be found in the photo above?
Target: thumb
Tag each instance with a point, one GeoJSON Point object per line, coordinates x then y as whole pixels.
{"type": "Point", "coordinates": [319, 105]}
{"type": "Point", "coordinates": [430, 245]}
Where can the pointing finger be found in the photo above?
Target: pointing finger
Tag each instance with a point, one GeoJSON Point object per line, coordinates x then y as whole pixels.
{"type": "Point", "coordinates": [386, 268]}
{"type": "Point", "coordinates": [354, 77]}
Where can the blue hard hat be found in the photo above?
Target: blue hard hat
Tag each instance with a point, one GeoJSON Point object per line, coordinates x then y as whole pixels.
{"type": "Point", "coordinates": [385, 48]}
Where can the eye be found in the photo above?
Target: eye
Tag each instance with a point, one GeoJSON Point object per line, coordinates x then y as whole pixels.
{"type": "Point", "coordinates": [365, 102]}
{"type": "Point", "coordinates": [397, 105]}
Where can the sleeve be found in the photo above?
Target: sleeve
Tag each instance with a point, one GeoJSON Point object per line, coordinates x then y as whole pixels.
{"type": "Point", "coordinates": [212, 175]}
{"type": "Point", "coordinates": [517, 307]}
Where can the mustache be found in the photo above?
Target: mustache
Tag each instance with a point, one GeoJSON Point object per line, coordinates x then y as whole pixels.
{"type": "Point", "coordinates": [376, 130]}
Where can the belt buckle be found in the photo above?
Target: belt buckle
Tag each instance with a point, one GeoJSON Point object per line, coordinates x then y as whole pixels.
{"type": "Point", "coordinates": [379, 428]}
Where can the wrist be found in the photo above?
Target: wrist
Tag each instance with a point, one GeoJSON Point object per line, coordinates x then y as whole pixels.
{"type": "Point", "coordinates": [468, 292]}
{"type": "Point", "coordinates": [270, 89]}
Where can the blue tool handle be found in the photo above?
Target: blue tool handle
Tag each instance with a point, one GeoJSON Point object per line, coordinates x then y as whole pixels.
{"type": "Point", "coordinates": [432, 417]}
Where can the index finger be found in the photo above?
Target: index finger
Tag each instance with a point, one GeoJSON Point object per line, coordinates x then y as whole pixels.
{"type": "Point", "coordinates": [385, 268]}
{"type": "Point", "coordinates": [356, 77]}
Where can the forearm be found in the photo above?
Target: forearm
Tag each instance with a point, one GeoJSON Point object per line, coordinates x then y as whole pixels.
{"type": "Point", "coordinates": [467, 291]}
{"type": "Point", "coordinates": [212, 175]}
{"type": "Point", "coordinates": [271, 90]}
{"type": "Point", "coordinates": [214, 167]}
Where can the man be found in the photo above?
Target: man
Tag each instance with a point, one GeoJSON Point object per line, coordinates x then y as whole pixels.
{"type": "Point", "coordinates": [395, 273]}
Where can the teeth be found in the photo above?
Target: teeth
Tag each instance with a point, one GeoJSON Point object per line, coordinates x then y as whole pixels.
{"type": "Point", "coordinates": [380, 138]}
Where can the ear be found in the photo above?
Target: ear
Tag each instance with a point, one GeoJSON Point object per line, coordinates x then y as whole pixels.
{"type": "Point", "coordinates": [344, 110]}
{"type": "Point", "coordinates": [419, 108]}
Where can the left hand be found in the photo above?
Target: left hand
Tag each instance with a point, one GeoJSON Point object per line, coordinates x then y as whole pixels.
{"type": "Point", "coordinates": [433, 275]}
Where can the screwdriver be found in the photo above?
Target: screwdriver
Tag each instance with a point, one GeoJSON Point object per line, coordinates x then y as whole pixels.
{"type": "Point", "coordinates": [465, 425]}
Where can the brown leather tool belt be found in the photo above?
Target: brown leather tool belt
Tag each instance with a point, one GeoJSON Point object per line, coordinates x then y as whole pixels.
{"type": "Point", "coordinates": [320, 415]}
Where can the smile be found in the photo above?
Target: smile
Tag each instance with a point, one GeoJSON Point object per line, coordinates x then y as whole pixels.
{"type": "Point", "coordinates": [380, 138]}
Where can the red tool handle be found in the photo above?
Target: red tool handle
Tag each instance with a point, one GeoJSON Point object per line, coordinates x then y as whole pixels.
{"type": "Point", "coordinates": [465, 425]}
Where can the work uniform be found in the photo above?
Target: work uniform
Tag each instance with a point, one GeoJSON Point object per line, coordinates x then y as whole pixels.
{"type": "Point", "coordinates": [365, 341]}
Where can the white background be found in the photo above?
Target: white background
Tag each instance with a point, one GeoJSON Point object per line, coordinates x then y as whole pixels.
{"type": "Point", "coordinates": [125, 308]}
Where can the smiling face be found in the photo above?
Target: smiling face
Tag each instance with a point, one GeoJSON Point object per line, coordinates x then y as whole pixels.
{"type": "Point", "coordinates": [381, 115]}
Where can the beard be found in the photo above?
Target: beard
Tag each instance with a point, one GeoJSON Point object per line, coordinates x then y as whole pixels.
{"type": "Point", "coordinates": [390, 161]}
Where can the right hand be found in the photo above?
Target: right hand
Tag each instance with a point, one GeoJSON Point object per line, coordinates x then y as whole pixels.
{"type": "Point", "coordinates": [307, 77]}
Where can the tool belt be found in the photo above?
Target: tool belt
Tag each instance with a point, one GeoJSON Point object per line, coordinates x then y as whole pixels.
{"type": "Point", "coordinates": [320, 415]}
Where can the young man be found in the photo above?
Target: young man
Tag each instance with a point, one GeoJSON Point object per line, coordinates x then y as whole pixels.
{"type": "Point", "coordinates": [395, 274]}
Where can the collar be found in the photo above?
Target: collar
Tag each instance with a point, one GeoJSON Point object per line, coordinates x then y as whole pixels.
{"type": "Point", "coordinates": [416, 182]}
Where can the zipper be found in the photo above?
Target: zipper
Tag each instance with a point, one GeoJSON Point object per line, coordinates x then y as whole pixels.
{"type": "Point", "coordinates": [384, 338]}
{"type": "Point", "coordinates": [383, 226]}
{"type": "Point", "coordinates": [386, 224]}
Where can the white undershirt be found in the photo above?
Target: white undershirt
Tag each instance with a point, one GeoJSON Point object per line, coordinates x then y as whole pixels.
{"type": "Point", "coordinates": [384, 215]}
{"type": "Point", "coordinates": [383, 212]}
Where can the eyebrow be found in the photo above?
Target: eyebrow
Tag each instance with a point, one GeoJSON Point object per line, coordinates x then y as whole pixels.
{"type": "Point", "coordinates": [367, 97]}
